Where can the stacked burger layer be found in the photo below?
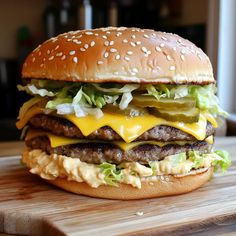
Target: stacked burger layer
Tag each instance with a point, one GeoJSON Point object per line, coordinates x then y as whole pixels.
{"type": "Point", "coordinates": [121, 113]}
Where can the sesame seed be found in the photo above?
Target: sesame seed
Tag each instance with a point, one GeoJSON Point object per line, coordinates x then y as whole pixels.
{"type": "Point", "coordinates": [108, 32]}
{"type": "Point", "coordinates": [138, 42]}
{"type": "Point", "coordinates": [111, 43]}
{"type": "Point", "coordinates": [135, 70]}
{"type": "Point", "coordinates": [125, 41]}
{"type": "Point", "coordinates": [164, 38]}
{"type": "Point", "coordinates": [168, 57]}
{"type": "Point", "coordinates": [106, 43]}
{"type": "Point", "coordinates": [133, 36]}
{"type": "Point", "coordinates": [51, 58]}
{"type": "Point", "coordinates": [127, 58]}
{"type": "Point", "coordinates": [100, 62]}
{"type": "Point", "coordinates": [48, 51]}
{"type": "Point", "coordinates": [78, 42]}
{"type": "Point", "coordinates": [146, 36]}
{"type": "Point", "coordinates": [129, 52]}
{"type": "Point", "coordinates": [33, 59]}
{"type": "Point", "coordinates": [158, 49]}
{"type": "Point", "coordinates": [69, 40]}
{"type": "Point", "coordinates": [44, 59]}
{"type": "Point", "coordinates": [182, 57]}
{"type": "Point", "coordinates": [106, 54]}
{"type": "Point", "coordinates": [63, 57]}
{"type": "Point", "coordinates": [133, 44]}
{"type": "Point", "coordinates": [113, 50]}
{"type": "Point", "coordinates": [117, 57]}
{"type": "Point", "coordinates": [54, 40]}
{"type": "Point", "coordinates": [148, 52]}
{"type": "Point", "coordinates": [118, 34]}
{"type": "Point", "coordinates": [56, 47]}
{"type": "Point", "coordinates": [174, 48]}
{"type": "Point", "coordinates": [86, 46]}
{"type": "Point", "coordinates": [41, 65]}
{"type": "Point", "coordinates": [92, 43]}
{"type": "Point", "coordinates": [162, 45]}
{"type": "Point", "coordinates": [72, 53]}
{"type": "Point", "coordinates": [144, 49]}
{"type": "Point", "coordinates": [199, 56]}
{"type": "Point", "coordinates": [154, 35]}
{"type": "Point", "coordinates": [182, 51]}
{"type": "Point", "coordinates": [89, 33]}
{"type": "Point", "coordinates": [96, 34]}
{"type": "Point", "coordinates": [104, 36]}
{"type": "Point", "coordinates": [82, 49]}
{"type": "Point", "coordinates": [179, 41]}
{"type": "Point", "coordinates": [172, 68]}
{"type": "Point", "coordinates": [75, 59]}
{"type": "Point", "coordinates": [59, 54]}
{"type": "Point", "coordinates": [39, 53]}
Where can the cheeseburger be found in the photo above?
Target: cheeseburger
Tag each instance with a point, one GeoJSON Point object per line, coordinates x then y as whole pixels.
{"type": "Point", "coordinates": [120, 113]}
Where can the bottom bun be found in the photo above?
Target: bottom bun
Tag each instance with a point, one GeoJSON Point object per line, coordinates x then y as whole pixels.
{"type": "Point", "coordinates": [150, 188]}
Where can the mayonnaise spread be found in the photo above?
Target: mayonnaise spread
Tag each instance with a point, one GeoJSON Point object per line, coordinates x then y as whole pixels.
{"type": "Point", "coordinates": [52, 166]}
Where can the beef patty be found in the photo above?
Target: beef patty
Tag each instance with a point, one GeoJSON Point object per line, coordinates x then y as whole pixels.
{"type": "Point", "coordinates": [104, 152]}
{"type": "Point", "coordinates": [63, 127]}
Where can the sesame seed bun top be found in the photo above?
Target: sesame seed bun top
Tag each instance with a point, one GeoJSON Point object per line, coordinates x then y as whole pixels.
{"type": "Point", "coordinates": [124, 55]}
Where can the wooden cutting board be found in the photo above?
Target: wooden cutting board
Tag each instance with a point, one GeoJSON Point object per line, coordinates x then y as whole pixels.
{"type": "Point", "coordinates": [28, 205]}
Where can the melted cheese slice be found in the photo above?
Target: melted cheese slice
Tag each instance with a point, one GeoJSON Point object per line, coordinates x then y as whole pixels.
{"type": "Point", "coordinates": [129, 128]}
{"type": "Point", "coordinates": [57, 141]}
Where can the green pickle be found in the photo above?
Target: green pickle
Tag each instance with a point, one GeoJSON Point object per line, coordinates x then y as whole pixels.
{"type": "Point", "coordinates": [163, 103]}
{"type": "Point", "coordinates": [187, 116]}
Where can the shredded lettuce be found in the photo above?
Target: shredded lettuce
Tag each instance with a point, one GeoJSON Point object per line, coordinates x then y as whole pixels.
{"type": "Point", "coordinates": [111, 90]}
{"type": "Point", "coordinates": [179, 91]}
{"type": "Point", "coordinates": [223, 160]}
{"type": "Point", "coordinates": [112, 173]}
{"type": "Point", "coordinates": [178, 158]}
{"type": "Point", "coordinates": [125, 100]}
{"type": "Point", "coordinates": [57, 101]}
{"type": "Point", "coordinates": [196, 158]}
{"type": "Point", "coordinates": [204, 95]}
{"type": "Point", "coordinates": [157, 93]}
{"type": "Point", "coordinates": [206, 98]}
{"type": "Point", "coordinates": [33, 90]}
{"type": "Point", "coordinates": [87, 98]}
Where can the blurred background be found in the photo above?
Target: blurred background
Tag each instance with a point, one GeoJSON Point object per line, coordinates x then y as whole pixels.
{"type": "Point", "coordinates": [210, 24]}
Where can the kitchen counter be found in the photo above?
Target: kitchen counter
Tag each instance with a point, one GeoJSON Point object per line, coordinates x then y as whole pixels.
{"type": "Point", "coordinates": [28, 205]}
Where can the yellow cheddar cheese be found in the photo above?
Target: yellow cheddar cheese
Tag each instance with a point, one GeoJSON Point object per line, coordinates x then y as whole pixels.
{"type": "Point", "coordinates": [57, 141]}
{"type": "Point", "coordinates": [129, 128]}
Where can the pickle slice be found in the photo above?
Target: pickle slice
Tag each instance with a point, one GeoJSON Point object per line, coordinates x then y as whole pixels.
{"type": "Point", "coordinates": [186, 116]}
{"type": "Point", "coordinates": [163, 103]}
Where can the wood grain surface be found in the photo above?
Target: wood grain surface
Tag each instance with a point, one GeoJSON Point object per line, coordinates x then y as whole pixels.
{"type": "Point", "coordinates": [28, 205]}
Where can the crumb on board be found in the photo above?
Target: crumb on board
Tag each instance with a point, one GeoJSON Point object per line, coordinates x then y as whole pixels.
{"type": "Point", "coordinates": [139, 213]}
